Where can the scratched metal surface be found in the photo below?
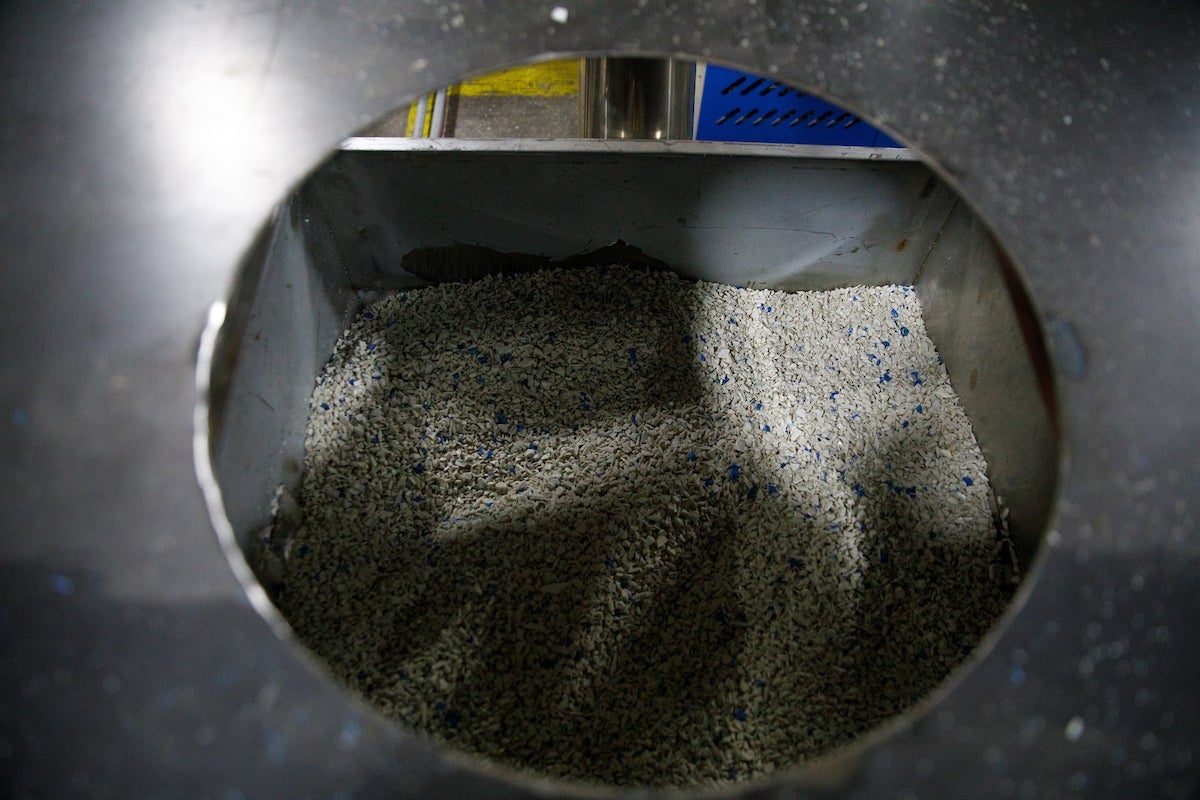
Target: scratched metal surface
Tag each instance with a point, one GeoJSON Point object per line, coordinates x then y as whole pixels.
{"type": "Point", "coordinates": [145, 142]}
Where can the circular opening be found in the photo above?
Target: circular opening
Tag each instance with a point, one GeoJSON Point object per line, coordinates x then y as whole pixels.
{"type": "Point", "coordinates": [619, 464]}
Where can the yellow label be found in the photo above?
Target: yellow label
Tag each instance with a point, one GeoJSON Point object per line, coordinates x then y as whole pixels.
{"type": "Point", "coordinates": [548, 79]}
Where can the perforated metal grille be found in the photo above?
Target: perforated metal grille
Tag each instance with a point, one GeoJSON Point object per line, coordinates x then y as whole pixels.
{"type": "Point", "coordinates": [740, 107]}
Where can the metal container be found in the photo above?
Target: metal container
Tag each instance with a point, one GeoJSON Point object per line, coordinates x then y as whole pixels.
{"type": "Point", "coordinates": [749, 215]}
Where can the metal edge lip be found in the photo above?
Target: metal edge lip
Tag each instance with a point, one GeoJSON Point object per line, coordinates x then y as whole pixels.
{"type": "Point", "coordinates": [615, 146]}
{"type": "Point", "coordinates": [211, 489]}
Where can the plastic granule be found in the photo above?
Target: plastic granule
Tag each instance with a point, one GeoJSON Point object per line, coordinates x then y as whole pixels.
{"type": "Point", "coordinates": [595, 606]}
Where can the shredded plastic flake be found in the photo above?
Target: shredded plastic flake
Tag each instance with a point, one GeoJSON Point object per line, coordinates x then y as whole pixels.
{"type": "Point", "coordinates": [611, 525]}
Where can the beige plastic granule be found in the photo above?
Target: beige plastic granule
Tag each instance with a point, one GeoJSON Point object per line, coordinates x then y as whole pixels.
{"type": "Point", "coordinates": [614, 526]}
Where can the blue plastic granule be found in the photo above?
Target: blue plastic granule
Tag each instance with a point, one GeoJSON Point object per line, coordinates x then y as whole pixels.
{"type": "Point", "coordinates": [886, 377]}
{"type": "Point", "coordinates": [501, 419]}
{"type": "Point", "coordinates": [725, 380]}
{"type": "Point", "coordinates": [968, 481]}
{"type": "Point", "coordinates": [708, 481]}
{"type": "Point", "coordinates": [632, 356]}
{"type": "Point", "coordinates": [895, 314]}
{"type": "Point", "coordinates": [325, 406]}
{"type": "Point", "coordinates": [920, 408]}
{"type": "Point", "coordinates": [833, 395]}
{"type": "Point", "coordinates": [734, 471]}
{"type": "Point", "coordinates": [740, 715]}
{"type": "Point", "coordinates": [859, 491]}
{"type": "Point", "coordinates": [916, 376]}
{"type": "Point", "coordinates": [904, 332]}
{"type": "Point", "coordinates": [766, 428]}
{"type": "Point", "coordinates": [886, 343]}
{"type": "Point", "coordinates": [758, 406]}
{"type": "Point", "coordinates": [352, 381]}
{"type": "Point", "coordinates": [702, 358]}
{"type": "Point", "coordinates": [691, 456]}
{"type": "Point", "coordinates": [505, 358]}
